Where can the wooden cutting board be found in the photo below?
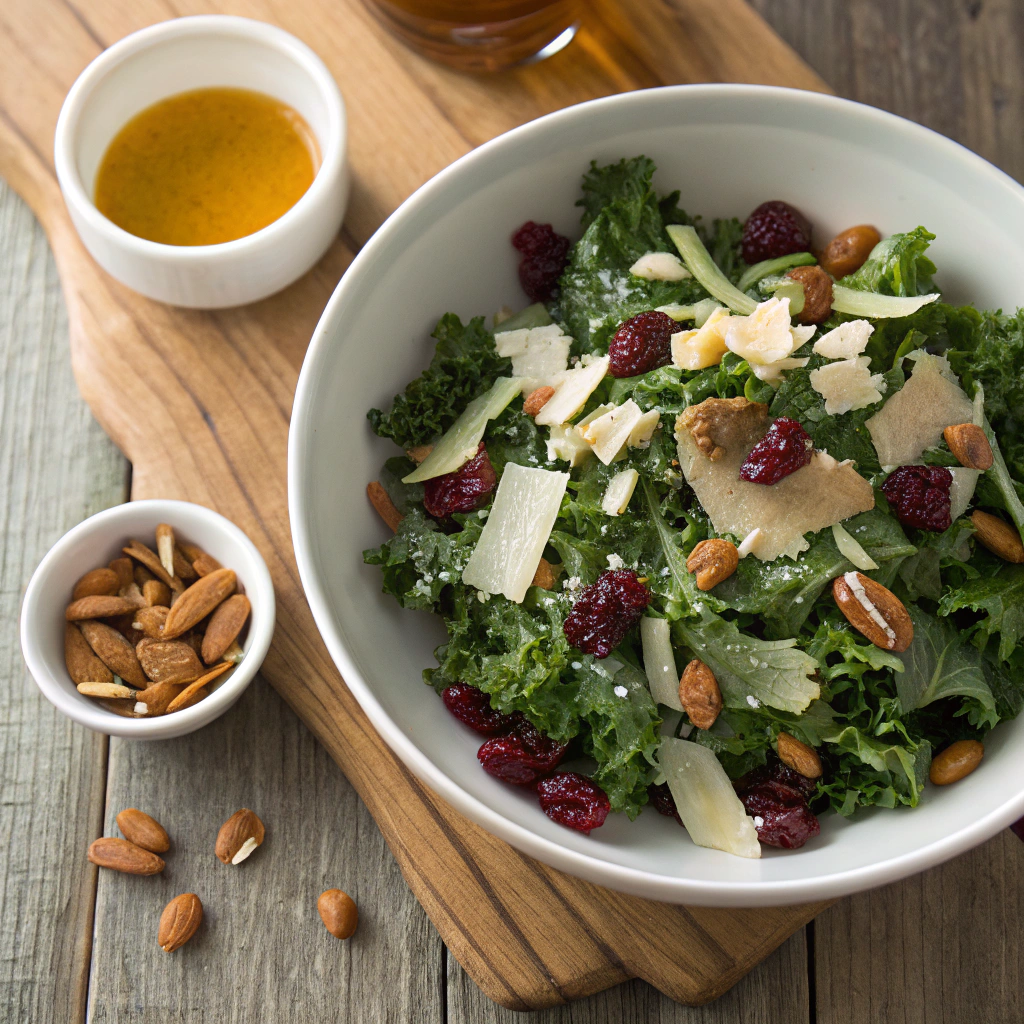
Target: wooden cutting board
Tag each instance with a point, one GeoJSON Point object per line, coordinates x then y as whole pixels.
{"type": "Point", "coordinates": [199, 402]}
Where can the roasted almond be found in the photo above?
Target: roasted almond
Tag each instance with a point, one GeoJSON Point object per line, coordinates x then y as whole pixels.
{"type": "Point", "coordinates": [97, 581]}
{"type": "Point", "coordinates": [205, 564]}
{"type": "Point", "coordinates": [700, 694]}
{"type": "Point", "coordinates": [536, 400]}
{"type": "Point", "coordinates": [149, 558]}
{"type": "Point", "coordinates": [168, 661]}
{"type": "Point", "coordinates": [114, 651]}
{"type": "Point", "coordinates": [193, 692]}
{"type": "Point", "coordinates": [150, 621]}
{"type": "Point", "coordinates": [338, 913]}
{"type": "Point", "coordinates": [225, 624]}
{"type": "Point", "coordinates": [97, 606]}
{"type": "Point", "coordinates": [133, 595]}
{"type": "Point", "coordinates": [165, 547]}
{"type": "Point", "coordinates": [713, 561]}
{"type": "Point", "coordinates": [383, 505]}
{"type": "Point", "coordinates": [239, 836]}
{"type": "Point", "coordinates": [179, 921]}
{"type": "Point", "coordinates": [956, 762]}
{"type": "Point", "coordinates": [183, 567]}
{"type": "Point", "coordinates": [124, 568]}
{"type": "Point", "coordinates": [967, 441]}
{"type": "Point", "coordinates": [873, 611]}
{"type": "Point", "coordinates": [998, 536]}
{"type": "Point", "coordinates": [817, 287]}
{"type": "Point", "coordinates": [419, 452]}
{"type": "Point", "coordinates": [120, 855]}
{"type": "Point", "coordinates": [83, 665]}
{"type": "Point", "coordinates": [156, 698]}
{"type": "Point", "coordinates": [143, 576]}
{"type": "Point", "coordinates": [198, 601]}
{"type": "Point", "coordinates": [544, 577]}
{"type": "Point", "coordinates": [124, 708]}
{"type": "Point", "coordinates": [156, 593]}
{"type": "Point", "coordinates": [849, 250]}
{"type": "Point", "coordinates": [142, 830]}
{"type": "Point", "coordinates": [799, 756]}
{"type": "Point", "coordinates": [112, 691]}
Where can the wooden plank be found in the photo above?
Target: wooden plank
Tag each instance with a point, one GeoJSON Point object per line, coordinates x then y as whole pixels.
{"type": "Point", "coordinates": [262, 952]}
{"type": "Point", "coordinates": [56, 468]}
{"type": "Point", "coordinates": [203, 378]}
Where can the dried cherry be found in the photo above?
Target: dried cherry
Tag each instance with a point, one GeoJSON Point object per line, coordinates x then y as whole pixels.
{"type": "Point", "coordinates": [545, 254]}
{"type": "Point", "coordinates": [641, 344]}
{"type": "Point", "coordinates": [777, 796]}
{"type": "Point", "coordinates": [465, 489]}
{"type": "Point", "coordinates": [521, 756]}
{"type": "Point", "coordinates": [574, 801]}
{"type": "Point", "coordinates": [775, 229]}
{"type": "Point", "coordinates": [472, 707]}
{"type": "Point", "coordinates": [663, 801]}
{"type": "Point", "coordinates": [919, 496]}
{"type": "Point", "coordinates": [786, 448]}
{"type": "Point", "coordinates": [606, 611]}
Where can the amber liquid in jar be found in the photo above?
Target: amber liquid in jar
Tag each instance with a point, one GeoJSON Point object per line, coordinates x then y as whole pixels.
{"type": "Point", "coordinates": [480, 35]}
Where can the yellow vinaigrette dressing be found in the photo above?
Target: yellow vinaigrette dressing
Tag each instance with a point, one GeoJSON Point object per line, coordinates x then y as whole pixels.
{"type": "Point", "coordinates": [206, 166]}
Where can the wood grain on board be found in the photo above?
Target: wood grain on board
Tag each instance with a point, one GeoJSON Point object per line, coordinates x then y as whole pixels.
{"type": "Point", "coordinates": [200, 404]}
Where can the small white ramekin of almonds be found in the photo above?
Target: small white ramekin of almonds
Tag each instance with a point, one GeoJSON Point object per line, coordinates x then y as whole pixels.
{"type": "Point", "coordinates": [148, 620]}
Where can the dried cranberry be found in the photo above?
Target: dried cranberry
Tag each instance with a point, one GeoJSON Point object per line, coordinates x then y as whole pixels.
{"type": "Point", "coordinates": [783, 450]}
{"type": "Point", "coordinates": [545, 254]}
{"type": "Point", "coordinates": [781, 775]}
{"type": "Point", "coordinates": [663, 801]}
{"type": "Point", "coordinates": [573, 801]}
{"type": "Point", "coordinates": [775, 229]}
{"type": "Point", "coordinates": [522, 756]}
{"type": "Point", "coordinates": [606, 611]}
{"type": "Point", "coordinates": [473, 708]}
{"type": "Point", "coordinates": [777, 796]}
{"type": "Point", "coordinates": [919, 495]}
{"type": "Point", "coordinates": [462, 491]}
{"type": "Point", "coordinates": [642, 343]}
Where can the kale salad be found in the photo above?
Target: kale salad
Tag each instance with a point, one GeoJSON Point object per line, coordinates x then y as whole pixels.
{"type": "Point", "coordinates": [722, 525]}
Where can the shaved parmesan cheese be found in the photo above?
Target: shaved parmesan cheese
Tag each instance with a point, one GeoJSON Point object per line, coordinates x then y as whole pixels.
{"type": "Point", "coordinates": [660, 662]}
{"type": "Point", "coordinates": [846, 341]}
{"type": "Point", "coordinates": [539, 353]}
{"type": "Point", "coordinates": [767, 335]}
{"type": "Point", "coordinates": [644, 429]}
{"type": "Point", "coordinates": [695, 350]}
{"type": "Point", "coordinates": [961, 491]}
{"type": "Point", "coordinates": [566, 443]}
{"type": "Point", "coordinates": [508, 552]}
{"type": "Point", "coordinates": [850, 549]}
{"type": "Point", "coordinates": [619, 491]}
{"type": "Point", "coordinates": [847, 385]}
{"type": "Point", "coordinates": [660, 266]}
{"type": "Point", "coordinates": [710, 810]}
{"type": "Point", "coordinates": [821, 493]}
{"type": "Point", "coordinates": [610, 432]}
{"type": "Point", "coordinates": [749, 542]}
{"type": "Point", "coordinates": [914, 418]}
{"type": "Point", "coordinates": [773, 371]}
{"type": "Point", "coordinates": [572, 391]}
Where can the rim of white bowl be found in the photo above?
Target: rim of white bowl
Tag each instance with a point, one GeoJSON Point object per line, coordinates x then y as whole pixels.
{"type": "Point", "coordinates": [264, 614]}
{"type": "Point", "coordinates": [596, 869]}
{"type": "Point", "coordinates": [332, 157]}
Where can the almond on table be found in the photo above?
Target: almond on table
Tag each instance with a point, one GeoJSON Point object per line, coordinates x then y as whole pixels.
{"type": "Point", "coordinates": [239, 836]}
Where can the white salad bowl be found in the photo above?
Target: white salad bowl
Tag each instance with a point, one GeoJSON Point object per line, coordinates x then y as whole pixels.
{"type": "Point", "coordinates": [728, 148]}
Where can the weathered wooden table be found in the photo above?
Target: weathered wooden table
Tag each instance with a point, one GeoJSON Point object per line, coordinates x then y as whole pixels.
{"type": "Point", "coordinates": [944, 946]}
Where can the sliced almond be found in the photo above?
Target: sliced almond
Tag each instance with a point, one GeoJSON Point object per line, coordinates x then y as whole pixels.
{"type": "Point", "coordinates": [120, 855]}
{"type": "Point", "coordinates": [165, 547]}
{"type": "Point", "coordinates": [142, 830]}
{"type": "Point", "coordinates": [97, 581]}
{"type": "Point", "coordinates": [83, 665]}
{"type": "Point", "coordinates": [156, 593]}
{"type": "Point", "coordinates": [150, 621]}
{"type": "Point", "coordinates": [179, 921]}
{"type": "Point", "coordinates": [188, 695]}
{"type": "Point", "coordinates": [206, 564]}
{"type": "Point", "coordinates": [97, 606]}
{"type": "Point", "coordinates": [112, 691]}
{"type": "Point", "coordinates": [874, 611]}
{"type": "Point", "coordinates": [168, 661]}
{"type": "Point", "coordinates": [239, 836]}
{"type": "Point", "coordinates": [147, 557]}
{"type": "Point", "coordinates": [225, 624]}
{"type": "Point", "coordinates": [114, 651]}
{"type": "Point", "coordinates": [124, 569]}
{"type": "Point", "coordinates": [143, 576]}
{"type": "Point", "coordinates": [183, 566]}
{"type": "Point", "coordinates": [133, 595]}
{"type": "Point", "coordinates": [157, 698]}
{"type": "Point", "coordinates": [198, 601]}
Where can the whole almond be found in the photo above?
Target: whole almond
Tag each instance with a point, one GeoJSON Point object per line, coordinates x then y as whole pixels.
{"type": "Point", "coordinates": [150, 621]}
{"type": "Point", "coordinates": [225, 624]}
{"type": "Point", "coordinates": [156, 594]}
{"type": "Point", "coordinates": [206, 564]}
{"type": "Point", "coordinates": [165, 547]}
{"type": "Point", "coordinates": [179, 921]}
{"type": "Point", "coordinates": [142, 830]}
{"type": "Point", "coordinates": [194, 638]}
{"type": "Point", "coordinates": [849, 250]}
{"type": "Point", "coordinates": [194, 691]}
{"type": "Point", "coordinates": [998, 536]}
{"type": "Point", "coordinates": [536, 400]}
{"type": "Point", "coordinates": [198, 601]}
{"type": "Point", "coordinates": [799, 756]}
{"type": "Point", "coordinates": [168, 661]}
{"type": "Point", "coordinates": [700, 694]}
{"type": "Point", "coordinates": [967, 441]}
{"type": "Point", "coordinates": [149, 558]}
{"type": "Point", "coordinates": [124, 708]}
{"type": "Point", "coordinates": [97, 581]}
{"type": "Point", "coordinates": [338, 912]}
{"type": "Point", "coordinates": [190, 551]}
{"type": "Point", "coordinates": [83, 665]}
{"type": "Point", "coordinates": [120, 855]}
{"type": "Point", "coordinates": [956, 762]}
{"type": "Point", "coordinates": [124, 567]}
{"type": "Point", "coordinates": [873, 611]}
{"type": "Point", "coordinates": [112, 691]}
{"type": "Point", "coordinates": [114, 651]}
{"type": "Point", "coordinates": [97, 606]}
{"type": "Point", "coordinates": [157, 697]}
{"type": "Point", "coordinates": [817, 294]}
{"type": "Point", "coordinates": [239, 836]}
{"type": "Point", "coordinates": [713, 561]}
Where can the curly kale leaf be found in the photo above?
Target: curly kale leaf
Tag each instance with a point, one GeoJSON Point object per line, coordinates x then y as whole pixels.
{"type": "Point", "coordinates": [898, 265]}
{"type": "Point", "coordinates": [464, 366]}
